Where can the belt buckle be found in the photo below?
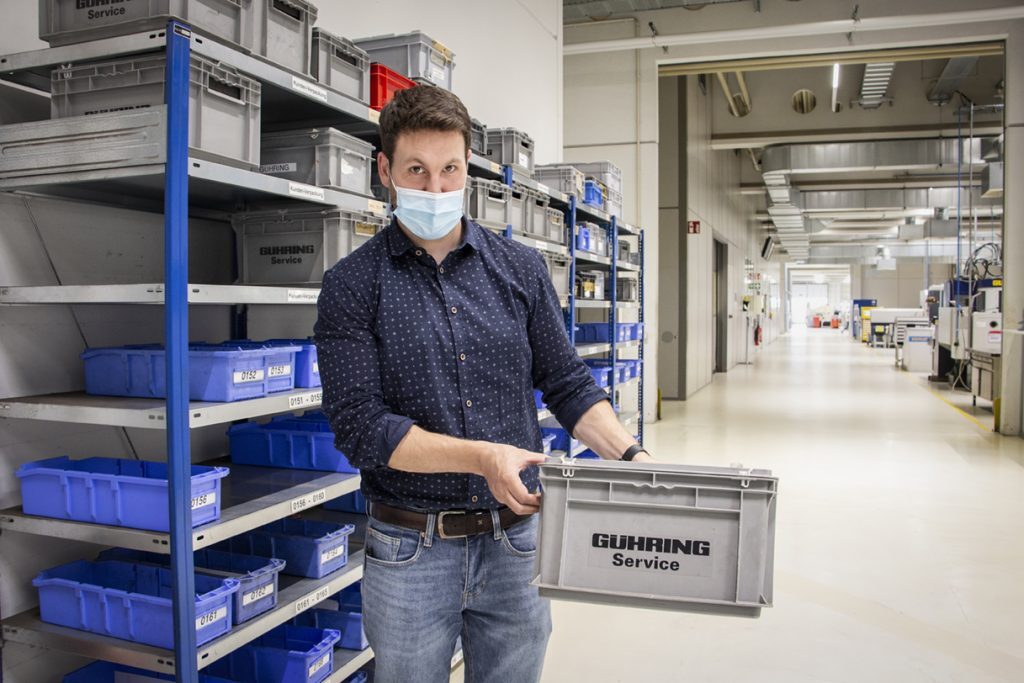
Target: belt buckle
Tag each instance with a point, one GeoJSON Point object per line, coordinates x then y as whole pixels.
{"type": "Point", "coordinates": [440, 525]}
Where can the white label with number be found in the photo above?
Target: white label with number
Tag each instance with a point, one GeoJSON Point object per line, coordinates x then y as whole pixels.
{"type": "Point", "coordinates": [308, 501]}
{"type": "Point", "coordinates": [304, 191]}
{"type": "Point", "coordinates": [211, 618]}
{"type": "Point", "coordinates": [284, 167]}
{"type": "Point", "coordinates": [995, 337]}
{"type": "Point", "coordinates": [313, 598]}
{"type": "Point", "coordinates": [258, 594]}
{"type": "Point", "coordinates": [319, 664]}
{"type": "Point", "coordinates": [375, 207]}
{"type": "Point", "coordinates": [437, 74]}
{"type": "Point", "coordinates": [524, 160]}
{"type": "Point", "coordinates": [316, 367]}
{"type": "Point", "coordinates": [303, 296]}
{"type": "Point", "coordinates": [204, 500]}
{"type": "Point", "coordinates": [306, 88]}
{"type": "Point", "coordinates": [279, 370]}
{"type": "Point", "coordinates": [331, 554]}
{"type": "Point", "coordinates": [244, 376]}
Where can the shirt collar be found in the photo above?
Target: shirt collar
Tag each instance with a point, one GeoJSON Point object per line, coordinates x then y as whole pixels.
{"type": "Point", "coordinates": [400, 243]}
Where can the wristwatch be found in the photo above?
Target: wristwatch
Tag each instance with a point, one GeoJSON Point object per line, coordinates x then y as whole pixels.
{"type": "Point", "coordinates": [632, 451]}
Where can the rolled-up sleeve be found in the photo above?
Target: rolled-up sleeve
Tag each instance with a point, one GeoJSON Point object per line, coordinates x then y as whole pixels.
{"type": "Point", "coordinates": [365, 428]}
{"type": "Point", "coordinates": [568, 388]}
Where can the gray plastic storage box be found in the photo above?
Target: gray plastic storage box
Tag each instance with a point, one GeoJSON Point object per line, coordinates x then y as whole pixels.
{"type": "Point", "coordinates": [604, 172]}
{"type": "Point", "coordinates": [224, 105]}
{"type": "Point", "coordinates": [629, 289]}
{"type": "Point", "coordinates": [554, 223]}
{"type": "Point", "coordinates": [487, 202]}
{"type": "Point", "coordinates": [665, 536]}
{"type": "Point", "coordinates": [338, 63]}
{"type": "Point", "coordinates": [284, 32]}
{"type": "Point", "coordinates": [510, 147]}
{"type": "Point", "coordinates": [324, 157]}
{"type": "Point", "coordinates": [535, 208]}
{"type": "Point", "coordinates": [518, 217]}
{"type": "Point", "coordinates": [558, 267]}
{"type": "Point", "coordinates": [477, 137]}
{"type": "Point", "coordinates": [64, 22]}
{"type": "Point", "coordinates": [414, 55]}
{"type": "Point", "coordinates": [296, 247]}
{"type": "Point", "coordinates": [613, 202]}
{"type": "Point", "coordinates": [561, 177]}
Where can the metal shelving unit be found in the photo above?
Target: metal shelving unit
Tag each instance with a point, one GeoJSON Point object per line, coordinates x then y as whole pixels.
{"type": "Point", "coordinates": [167, 178]}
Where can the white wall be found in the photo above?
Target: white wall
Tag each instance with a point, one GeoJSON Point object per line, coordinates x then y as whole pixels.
{"type": "Point", "coordinates": [900, 288]}
{"type": "Point", "coordinates": [508, 55]}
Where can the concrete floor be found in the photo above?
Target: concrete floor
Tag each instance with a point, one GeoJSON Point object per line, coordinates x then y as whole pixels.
{"type": "Point", "coordinates": [900, 535]}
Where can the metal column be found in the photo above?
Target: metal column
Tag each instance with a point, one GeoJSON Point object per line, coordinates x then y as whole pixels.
{"type": "Point", "coordinates": [179, 458]}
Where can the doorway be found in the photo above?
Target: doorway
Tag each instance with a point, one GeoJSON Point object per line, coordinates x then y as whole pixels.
{"type": "Point", "coordinates": [720, 307]}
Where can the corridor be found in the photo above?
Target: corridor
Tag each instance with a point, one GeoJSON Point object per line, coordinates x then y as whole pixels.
{"type": "Point", "coordinates": [900, 534]}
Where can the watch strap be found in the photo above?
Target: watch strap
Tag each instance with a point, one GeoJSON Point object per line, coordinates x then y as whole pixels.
{"type": "Point", "coordinates": [632, 451]}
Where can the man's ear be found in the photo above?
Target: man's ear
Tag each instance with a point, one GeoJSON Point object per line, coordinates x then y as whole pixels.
{"type": "Point", "coordinates": [384, 169]}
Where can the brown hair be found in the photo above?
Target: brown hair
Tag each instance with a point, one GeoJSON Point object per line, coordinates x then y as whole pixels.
{"type": "Point", "coordinates": [423, 107]}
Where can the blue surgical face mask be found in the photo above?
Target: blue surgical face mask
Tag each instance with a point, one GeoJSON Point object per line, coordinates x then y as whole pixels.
{"type": "Point", "coordinates": [429, 215]}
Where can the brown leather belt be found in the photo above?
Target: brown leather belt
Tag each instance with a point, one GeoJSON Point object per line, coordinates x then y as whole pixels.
{"type": "Point", "coordinates": [451, 524]}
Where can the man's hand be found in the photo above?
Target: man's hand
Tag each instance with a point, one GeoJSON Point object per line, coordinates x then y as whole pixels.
{"type": "Point", "coordinates": [500, 465]}
{"type": "Point", "coordinates": [643, 456]}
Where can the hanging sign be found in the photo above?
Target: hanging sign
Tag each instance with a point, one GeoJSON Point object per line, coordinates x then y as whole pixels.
{"type": "Point", "coordinates": [693, 227]}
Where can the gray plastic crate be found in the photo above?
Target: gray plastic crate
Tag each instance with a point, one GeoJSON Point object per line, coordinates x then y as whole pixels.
{"type": "Point", "coordinates": [295, 247]}
{"type": "Point", "coordinates": [664, 536]}
{"type": "Point", "coordinates": [477, 137]}
{"type": "Point", "coordinates": [510, 147]}
{"type": "Point", "coordinates": [283, 32]}
{"type": "Point", "coordinates": [414, 55]}
{"type": "Point", "coordinates": [629, 289]}
{"type": "Point", "coordinates": [554, 225]}
{"type": "Point", "coordinates": [518, 215]}
{"type": "Point", "coordinates": [561, 177]}
{"type": "Point", "coordinates": [559, 269]}
{"type": "Point", "coordinates": [603, 172]}
{"type": "Point", "coordinates": [224, 105]}
{"type": "Point", "coordinates": [339, 64]}
{"type": "Point", "coordinates": [613, 202]}
{"type": "Point", "coordinates": [487, 202]}
{"type": "Point", "coordinates": [65, 22]}
{"type": "Point", "coordinates": [324, 157]}
{"type": "Point", "coordinates": [535, 207]}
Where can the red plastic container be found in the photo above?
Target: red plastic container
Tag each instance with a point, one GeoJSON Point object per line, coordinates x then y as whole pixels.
{"type": "Point", "coordinates": [384, 83]}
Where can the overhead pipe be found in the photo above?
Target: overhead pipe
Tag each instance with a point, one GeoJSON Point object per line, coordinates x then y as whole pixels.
{"type": "Point", "coordinates": [728, 93]}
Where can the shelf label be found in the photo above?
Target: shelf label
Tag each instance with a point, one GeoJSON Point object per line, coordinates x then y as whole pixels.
{"type": "Point", "coordinates": [373, 115]}
{"type": "Point", "coordinates": [319, 664]}
{"type": "Point", "coordinates": [286, 167]}
{"type": "Point", "coordinates": [310, 398]}
{"type": "Point", "coordinates": [204, 500]}
{"type": "Point", "coordinates": [245, 376]}
{"type": "Point", "coordinates": [496, 168]}
{"type": "Point", "coordinates": [306, 191]}
{"type": "Point", "coordinates": [302, 296]}
{"type": "Point", "coordinates": [524, 160]}
{"type": "Point", "coordinates": [211, 618]}
{"type": "Point", "coordinates": [317, 596]}
{"type": "Point", "coordinates": [308, 89]}
{"type": "Point", "coordinates": [258, 594]}
{"type": "Point", "coordinates": [328, 555]}
{"type": "Point", "coordinates": [279, 370]}
{"type": "Point", "coordinates": [376, 207]}
{"type": "Point", "coordinates": [309, 500]}
{"type": "Point", "coordinates": [544, 188]}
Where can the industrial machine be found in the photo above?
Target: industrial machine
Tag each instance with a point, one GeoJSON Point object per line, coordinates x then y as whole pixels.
{"type": "Point", "coordinates": [856, 318]}
{"type": "Point", "coordinates": [882, 321]}
{"type": "Point", "coordinates": [912, 342]}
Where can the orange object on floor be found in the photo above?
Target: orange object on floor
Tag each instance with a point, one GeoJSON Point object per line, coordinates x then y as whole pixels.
{"type": "Point", "coordinates": [835, 323]}
{"type": "Point", "coordinates": [816, 321]}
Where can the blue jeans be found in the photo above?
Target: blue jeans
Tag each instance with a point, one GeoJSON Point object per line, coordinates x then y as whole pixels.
{"type": "Point", "coordinates": [421, 592]}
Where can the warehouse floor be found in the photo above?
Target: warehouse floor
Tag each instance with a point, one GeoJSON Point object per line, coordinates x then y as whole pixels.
{"type": "Point", "coordinates": [900, 538]}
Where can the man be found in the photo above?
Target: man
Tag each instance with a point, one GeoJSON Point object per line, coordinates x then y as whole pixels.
{"type": "Point", "coordinates": [431, 338]}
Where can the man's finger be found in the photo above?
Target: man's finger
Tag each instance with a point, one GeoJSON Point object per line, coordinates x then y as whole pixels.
{"type": "Point", "coordinates": [522, 496]}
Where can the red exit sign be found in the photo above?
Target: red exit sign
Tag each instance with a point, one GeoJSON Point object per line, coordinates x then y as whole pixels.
{"type": "Point", "coordinates": [693, 227]}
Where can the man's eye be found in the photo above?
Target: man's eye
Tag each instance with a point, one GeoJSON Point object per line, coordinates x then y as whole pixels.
{"type": "Point", "coordinates": [416, 170]}
{"type": "Point", "coordinates": [451, 168]}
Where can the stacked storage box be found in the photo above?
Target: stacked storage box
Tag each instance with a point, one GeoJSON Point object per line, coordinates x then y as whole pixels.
{"type": "Point", "coordinates": [488, 202]}
{"type": "Point", "coordinates": [304, 443]}
{"type": "Point", "coordinates": [510, 147]}
{"type": "Point", "coordinates": [340, 64]}
{"type": "Point", "coordinates": [287, 654]}
{"type": "Point", "coordinates": [309, 548]}
{"type": "Point", "coordinates": [562, 177]}
{"type": "Point", "coordinates": [559, 268]}
{"type": "Point", "coordinates": [478, 137]}
{"type": "Point", "coordinates": [347, 619]}
{"type": "Point", "coordinates": [283, 32]}
{"type": "Point", "coordinates": [414, 55]}
{"type": "Point", "coordinates": [384, 83]}
{"type": "Point", "coordinates": [323, 157]}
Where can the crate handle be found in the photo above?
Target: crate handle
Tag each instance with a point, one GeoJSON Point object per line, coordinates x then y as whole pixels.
{"type": "Point", "coordinates": [345, 56]}
{"type": "Point", "coordinates": [288, 8]}
{"type": "Point", "coordinates": [224, 89]}
{"type": "Point", "coordinates": [497, 195]}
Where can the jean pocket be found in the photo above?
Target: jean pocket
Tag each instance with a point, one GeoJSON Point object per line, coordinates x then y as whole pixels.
{"type": "Point", "coordinates": [521, 539]}
{"type": "Point", "coordinates": [391, 545]}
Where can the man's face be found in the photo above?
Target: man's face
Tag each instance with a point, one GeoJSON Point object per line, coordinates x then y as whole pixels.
{"type": "Point", "coordinates": [429, 160]}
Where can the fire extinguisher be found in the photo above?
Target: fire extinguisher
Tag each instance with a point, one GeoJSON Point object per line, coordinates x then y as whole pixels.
{"type": "Point", "coordinates": [757, 336]}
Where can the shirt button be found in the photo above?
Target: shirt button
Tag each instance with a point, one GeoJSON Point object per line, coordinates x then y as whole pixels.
{"type": "Point", "coordinates": [419, 252]}
{"type": "Point", "coordinates": [441, 269]}
{"type": "Point", "coordinates": [474, 499]}
{"type": "Point", "coordinates": [455, 309]}
{"type": "Point", "coordinates": [462, 356]}
{"type": "Point", "coordinates": [469, 404]}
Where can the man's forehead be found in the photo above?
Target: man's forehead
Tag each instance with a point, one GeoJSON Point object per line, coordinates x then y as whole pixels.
{"type": "Point", "coordinates": [432, 143]}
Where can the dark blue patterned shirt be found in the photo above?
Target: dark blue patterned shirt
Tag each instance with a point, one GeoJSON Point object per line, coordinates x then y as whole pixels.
{"type": "Point", "coordinates": [455, 349]}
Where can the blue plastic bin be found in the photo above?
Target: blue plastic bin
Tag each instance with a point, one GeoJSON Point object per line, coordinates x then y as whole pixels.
{"type": "Point", "coordinates": [286, 654]}
{"type": "Point", "coordinates": [358, 677]}
{"type": "Point", "coordinates": [602, 376]}
{"type": "Point", "coordinates": [114, 491]}
{"type": "Point", "coordinates": [588, 455]}
{"type": "Point", "coordinates": [351, 502]}
{"type": "Point", "coordinates": [215, 373]}
{"type": "Point", "coordinates": [593, 333]}
{"type": "Point", "coordinates": [302, 443]}
{"type": "Point", "coordinates": [130, 601]}
{"type": "Point", "coordinates": [582, 237]}
{"type": "Point", "coordinates": [307, 368]}
{"type": "Point", "coordinates": [562, 441]}
{"type": "Point", "coordinates": [279, 360]}
{"type": "Point", "coordinates": [108, 672]}
{"type": "Point", "coordinates": [309, 548]}
{"type": "Point", "coordinates": [621, 371]}
{"type": "Point", "coordinates": [348, 623]}
{"type": "Point", "coordinates": [592, 194]}
{"type": "Point", "coordinates": [257, 576]}
{"type": "Point", "coordinates": [350, 598]}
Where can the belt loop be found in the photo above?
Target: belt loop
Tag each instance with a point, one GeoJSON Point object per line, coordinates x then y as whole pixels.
{"type": "Point", "coordinates": [428, 534]}
{"type": "Point", "coordinates": [496, 521]}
